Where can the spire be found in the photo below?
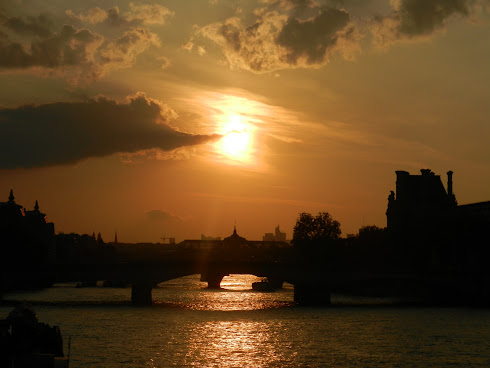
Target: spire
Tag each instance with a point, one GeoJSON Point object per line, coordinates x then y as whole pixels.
{"type": "Point", "coordinates": [11, 196]}
{"type": "Point", "coordinates": [36, 207]}
{"type": "Point", "coordinates": [234, 239]}
{"type": "Point", "coordinates": [115, 238]}
{"type": "Point", "coordinates": [450, 183]}
{"type": "Point", "coordinates": [450, 193]}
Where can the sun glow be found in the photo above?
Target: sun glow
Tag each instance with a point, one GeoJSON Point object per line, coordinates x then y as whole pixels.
{"type": "Point", "coordinates": [244, 123]}
{"type": "Point", "coordinates": [236, 143]}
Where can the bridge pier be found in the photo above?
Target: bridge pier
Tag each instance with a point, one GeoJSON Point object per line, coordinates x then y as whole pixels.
{"type": "Point", "coordinates": [213, 279]}
{"type": "Point", "coordinates": [275, 283]}
{"type": "Point", "coordinates": [141, 293]}
{"type": "Point", "coordinates": [311, 293]}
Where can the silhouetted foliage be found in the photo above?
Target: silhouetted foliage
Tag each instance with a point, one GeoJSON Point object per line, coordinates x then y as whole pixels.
{"type": "Point", "coordinates": [371, 232]}
{"type": "Point", "coordinates": [315, 228]}
{"type": "Point", "coordinates": [82, 248]}
{"type": "Point", "coordinates": [317, 242]}
{"type": "Point", "coordinates": [311, 230]}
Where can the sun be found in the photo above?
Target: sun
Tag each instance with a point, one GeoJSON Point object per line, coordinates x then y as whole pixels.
{"type": "Point", "coordinates": [236, 143]}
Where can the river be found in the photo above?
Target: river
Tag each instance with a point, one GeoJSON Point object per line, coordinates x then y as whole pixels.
{"type": "Point", "coordinates": [190, 326]}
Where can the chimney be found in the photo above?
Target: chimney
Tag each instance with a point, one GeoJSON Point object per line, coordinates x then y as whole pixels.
{"type": "Point", "coordinates": [402, 179]}
{"type": "Point", "coordinates": [450, 183]}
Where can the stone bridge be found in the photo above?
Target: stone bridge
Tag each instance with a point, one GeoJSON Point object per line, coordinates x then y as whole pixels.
{"type": "Point", "coordinates": [144, 275]}
{"type": "Point", "coordinates": [313, 283]}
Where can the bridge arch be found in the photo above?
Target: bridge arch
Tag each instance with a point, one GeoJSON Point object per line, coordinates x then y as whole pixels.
{"type": "Point", "coordinates": [141, 291]}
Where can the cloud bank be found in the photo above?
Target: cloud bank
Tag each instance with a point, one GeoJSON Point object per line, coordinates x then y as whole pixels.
{"type": "Point", "coordinates": [280, 40]}
{"type": "Point", "coordinates": [278, 34]}
{"type": "Point", "coordinates": [305, 33]}
{"type": "Point", "coordinates": [138, 15]}
{"type": "Point", "coordinates": [37, 45]}
{"type": "Point", "coordinates": [67, 47]}
{"type": "Point", "coordinates": [411, 19]}
{"type": "Point", "coordinates": [68, 132]}
{"type": "Point", "coordinates": [161, 216]}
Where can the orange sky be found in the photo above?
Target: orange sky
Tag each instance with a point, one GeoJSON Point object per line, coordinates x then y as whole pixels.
{"type": "Point", "coordinates": [170, 118]}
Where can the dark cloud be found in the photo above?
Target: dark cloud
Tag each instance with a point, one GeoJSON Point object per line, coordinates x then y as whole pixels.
{"type": "Point", "coordinates": [161, 216]}
{"type": "Point", "coordinates": [67, 47]}
{"type": "Point", "coordinates": [80, 54]}
{"type": "Point", "coordinates": [67, 132]}
{"type": "Point", "coordinates": [38, 26]}
{"type": "Point", "coordinates": [312, 38]}
{"type": "Point", "coordinates": [30, 43]}
{"type": "Point", "coordinates": [93, 15]}
{"type": "Point", "coordinates": [306, 33]}
{"type": "Point", "coordinates": [419, 17]}
{"type": "Point", "coordinates": [138, 14]}
{"type": "Point", "coordinates": [285, 34]}
{"type": "Point", "coordinates": [122, 52]}
{"type": "Point", "coordinates": [416, 18]}
{"type": "Point", "coordinates": [114, 17]}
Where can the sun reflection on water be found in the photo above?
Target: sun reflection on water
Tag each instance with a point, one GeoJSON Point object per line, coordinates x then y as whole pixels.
{"type": "Point", "coordinates": [238, 282]}
{"type": "Point", "coordinates": [235, 301]}
{"type": "Point", "coordinates": [232, 344]}
{"type": "Point", "coordinates": [236, 295]}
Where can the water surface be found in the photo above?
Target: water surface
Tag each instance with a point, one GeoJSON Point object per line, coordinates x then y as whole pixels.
{"type": "Point", "coordinates": [190, 326]}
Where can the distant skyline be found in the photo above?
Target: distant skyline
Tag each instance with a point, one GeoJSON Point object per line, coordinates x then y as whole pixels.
{"type": "Point", "coordinates": [174, 118]}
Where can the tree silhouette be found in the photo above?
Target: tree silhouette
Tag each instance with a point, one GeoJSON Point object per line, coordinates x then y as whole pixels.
{"type": "Point", "coordinates": [311, 230]}
{"type": "Point", "coordinates": [371, 232]}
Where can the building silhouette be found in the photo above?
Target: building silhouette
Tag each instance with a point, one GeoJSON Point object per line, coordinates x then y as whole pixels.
{"type": "Point", "coordinates": [431, 232]}
{"type": "Point", "coordinates": [27, 243]}
{"type": "Point", "coordinates": [422, 202]}
{"type": "Point", "coordinates": [25, 232]}
{"type": "Point", "coordinates": [232, 242]}
{"type": "Point", "coordinates": [204, 237]}
{"type": "Point", "coordinates": [278, 235]}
